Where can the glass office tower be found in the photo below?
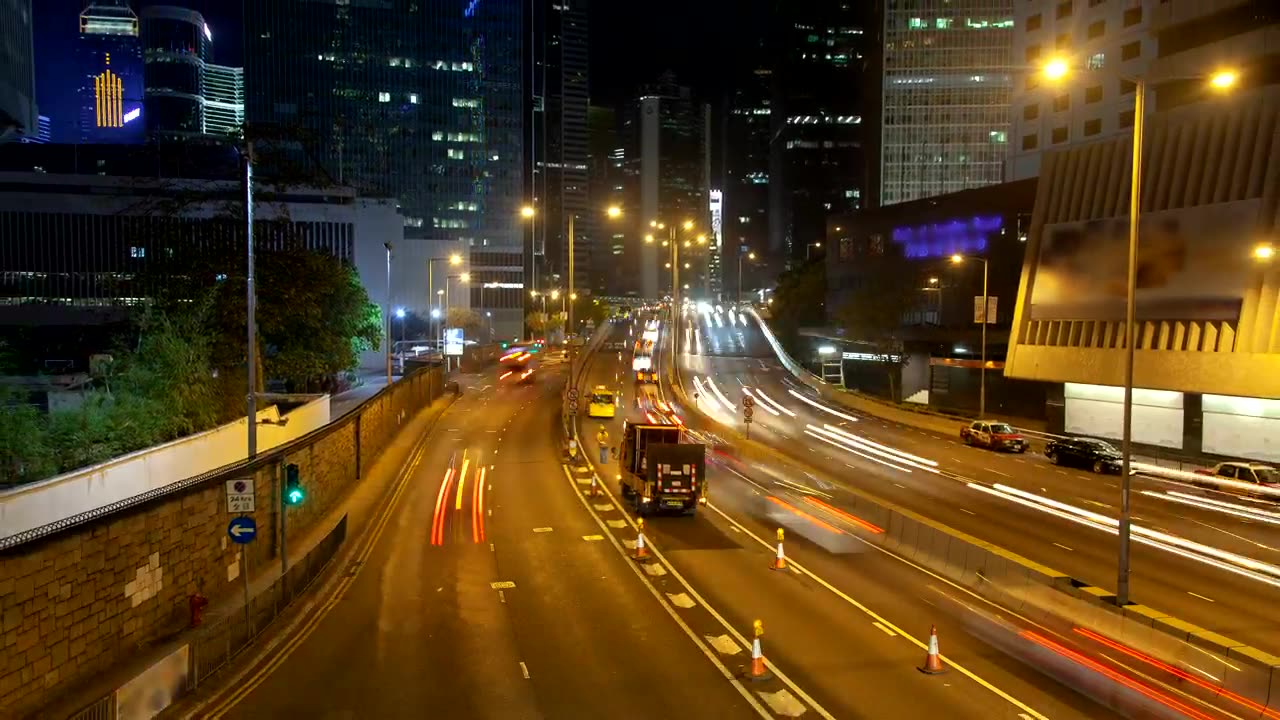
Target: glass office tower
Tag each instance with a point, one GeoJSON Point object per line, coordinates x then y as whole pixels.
{"type": "Point", "coordinates": [945, 96]}
{"type": "Point", "coordinates": [416, 99]}
{"type": "Point", "coordinates": [109, 54]}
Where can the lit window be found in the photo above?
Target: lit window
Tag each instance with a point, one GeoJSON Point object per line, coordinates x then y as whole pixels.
{"type": "Point", "coordinates": [466, 102]}
{"type": "Point", "coordinates": [384, 97]}
{"type": "Point", "coordinates": [744, 219]}
{"type": "Point", "coordinates": [437, 135]}
{"type": "Point", "coordinates": [1097, 60]}
{"type": "Point", "coordinates": [942, 23]}
{"type": "Point", "coordinates": [455, 154]}
{"type": "Point", "coordinates": [917, 24]}
{"type": "Point", "coordinates": [393, 62]}
{"type": "Point", "coordinates": [138, 252]}
{"type": "Point", "coordinates": [998, 136]}
{"type": "Point", "coordinates": [413, 98]}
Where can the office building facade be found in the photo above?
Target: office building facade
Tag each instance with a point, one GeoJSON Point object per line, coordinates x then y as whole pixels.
{"type": "Point", "coordinates": [223, 100]}
{"type": "Point", "coordinates": [110, 66]}
{"type": "Point", "coordinates": [606, 188]}
{"type": "Point", "coordinates": [818, 166]}
{"type": "Point", "coordinates": [176, 45]}
{"type": "Point", "coordinates": [1206, 313]}
{"type": "Point", "coordinates": [431, 115]}
{"type": "Point", "coordinates": [667, 167]}
{"type": "Point", "coordinates": [561, 142]}
{"type": "Point", "coordinates": [947, 73]}
{"type": "Point", "coordinates": [748, 141]}
{"type": "Point", "coordinates": [18, 115]}
{"type": "Point", "coordinates": [1104, 42]}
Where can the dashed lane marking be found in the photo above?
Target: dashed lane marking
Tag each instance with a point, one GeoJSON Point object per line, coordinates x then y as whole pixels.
{"type": "Point", "coordinates": [524, 670]}
{"type": "Point", "coordinates": [593, 538]}
{"type": "Point", "coordinates": [1209, 599]}
{"type": "Point", "coordinates": [681, 600]}
{"type": "Point", "coordinates": [604, 507]}
{"type": "Point", "coordinates": [542, 530]}
{"type": "Point", "coordinates": [617, 524]}
{"type": "Point", "coordinates": [655, 569]}
{"type": "Point", "coordinates": [502, 585]}
{"type": "Point", "coordinates": [1064, 547]}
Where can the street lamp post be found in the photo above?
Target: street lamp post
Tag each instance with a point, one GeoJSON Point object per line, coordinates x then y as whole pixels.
{"type": "Point", "coordinates": [454, 259]}
{"type": "Point", "coordinates": [1056, 69]}
{"type": "Point", "coordinates": [251, 309]}
{"type": "Point", "coordinates": [386, 312]}
{"type": "Point", "coordinates": [986, 304]}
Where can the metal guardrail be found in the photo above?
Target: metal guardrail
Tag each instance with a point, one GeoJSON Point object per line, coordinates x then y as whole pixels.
{"type": "Point", "coordinates": [219, 640]}
{"type": "Point", "coordinates": [275, 455]}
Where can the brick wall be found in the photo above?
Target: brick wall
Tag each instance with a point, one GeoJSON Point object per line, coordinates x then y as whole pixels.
{"type": "Point", "coordinates": [78, 601]}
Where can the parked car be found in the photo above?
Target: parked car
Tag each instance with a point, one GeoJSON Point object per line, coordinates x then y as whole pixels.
{"type": "Point", "coordinates": [994, 436]}
{"type": "Point", "coordinates": [1098, 456]}
{"type": "Point", "coordinates": [1247, 472]}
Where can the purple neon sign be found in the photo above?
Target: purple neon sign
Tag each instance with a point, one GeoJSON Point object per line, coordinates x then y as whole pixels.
{"type": "Point", "coordinates": [965, 237]}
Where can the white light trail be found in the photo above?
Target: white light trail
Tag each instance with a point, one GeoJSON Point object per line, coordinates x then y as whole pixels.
{"type": "Point", "coordinates": [747, 391]}
{"type": "Point", "coordinates": [829, 441]}
{"type": "Point", "coordinates": [864, 441]}
{"type": "Point", "coordinates": [1221, 506]}
{"type": "Point", "coordinates": [822, 407]}
{"type": "Point", "coordinates": [765, 398]}
{"type": "Point", "coordinates": [719, 395]}
{"type": "Point", "coordinates": [855, 444]}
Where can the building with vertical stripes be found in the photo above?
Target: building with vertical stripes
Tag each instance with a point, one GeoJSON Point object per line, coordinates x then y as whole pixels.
{"type": "Point", "coordinates": [223, 99]}
{"type": "Point", "coordinates": [418, 101]}
{"type": "Point", "coordinates": [1207, 301]}
{"type": "Point", "coordinates": [109, 58]}
{"type": "Point", "coordinates": [947, 76]}
{"type": "Point", "coordinates": [17, 71]}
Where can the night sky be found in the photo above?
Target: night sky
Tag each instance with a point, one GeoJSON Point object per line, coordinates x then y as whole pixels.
{"type": "Point", "coordinates": [705, 42]}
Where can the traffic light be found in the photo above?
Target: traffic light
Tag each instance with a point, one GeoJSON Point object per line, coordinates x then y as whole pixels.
{"type": "Point", "coordinates": [293, 492]}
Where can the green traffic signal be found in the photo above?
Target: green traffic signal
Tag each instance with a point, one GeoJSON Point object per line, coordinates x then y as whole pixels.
{"type": "Point", "coordinates": [293, 492]}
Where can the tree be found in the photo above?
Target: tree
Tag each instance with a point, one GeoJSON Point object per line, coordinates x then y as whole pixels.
{"type": "Point", "coordinates": [536, 322]}
{"type": "Point", "coordinates": [798, 301]}
{"type": "Point", "coordinates": [875, 311]}
{"type": "Point", "coordinates": [25, 455]}
{"type": "Point", "coordinates": [465, 318]}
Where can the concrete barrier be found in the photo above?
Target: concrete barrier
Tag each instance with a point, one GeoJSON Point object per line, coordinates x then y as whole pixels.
{"type": "Point", "coordinates": [1046, 596]}
{"type": "Point", "coordinates": [30, 506]}
{"type": "Point", "coordinates": [100, 588]}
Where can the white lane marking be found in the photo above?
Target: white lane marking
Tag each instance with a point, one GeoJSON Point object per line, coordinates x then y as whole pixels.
{"type": "Point", "coordinates": [990, 470]}
{"type": "Point", "coordinates": [885, 630]}
{"type": "Point", "coordinates": [1064, 547]}
{"type": "Point", "coordinates": [617, 524]}
{"type": "Point", "coordinates": [502, 597]}
{"type": "Point", "coordinates": [782, 703]}
{"type": "Point", "coordinates": [968, 511]}
{"type": "Point", "coordinates": [680, 600]}
{"type": "Point", "coordinates": [904, 487]}
{"type": "Point", "coordinates": [913, 640]}
{"type": "Point", "coordinates": [524, 670]}
{"type": "Point", "coordinates": [1095, 502]}
{"type": "Point", "coordinates": [723, 644]}
{"type": "Point", "coordinates": [542, 530]}
{"type": "Point", "coordinates": [706, 651]}
{"type": "Point", "coordinates": [1200, 596]}
{"type": "Point", "coordinates": [655, 569]}
{"type": "Point", "coordinates": [593, 538]}
{"type": "Point", "coordinates": [603, 507]}
{"type": "Point", "coordinates": [502, 585]}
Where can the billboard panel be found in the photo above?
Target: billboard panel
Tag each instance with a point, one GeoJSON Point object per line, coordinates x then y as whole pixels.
{"type": "Point", "coordinates": [453, 341]}
{"type": "Point", "coordinates": [1192, 265]}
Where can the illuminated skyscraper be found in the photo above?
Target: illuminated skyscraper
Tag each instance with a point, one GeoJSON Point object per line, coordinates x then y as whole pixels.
{"type": "Point", "coordinates": [223, 99]}
{"type": "Point", "coordinates": [945, 96]}
{"type": "Point", "coordinates": [17, 79]}
{"type": "Point", "coordinates": [177, 45]}
{"type": "Point", "coordinates": [109, 54]}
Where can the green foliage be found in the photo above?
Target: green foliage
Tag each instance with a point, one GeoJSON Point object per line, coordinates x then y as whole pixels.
{"type": "Point", "coordinates": [157, 392]}
{"type": "Point", "coordinates": [536, 322]}
{"type": "Point", "coordinates": [874, 314]}
{"type": "Point", "coordinates": [465, 318]}
{"type": "Point", "coordinates": [25, 455]}
{"type": "Point", "coordinates": [798, 302]}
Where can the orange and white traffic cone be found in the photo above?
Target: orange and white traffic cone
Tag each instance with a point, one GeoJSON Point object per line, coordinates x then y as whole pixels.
{"type": "Point", "coordinates": [932, 661]}
{"type": "Point", "coordinates": [758, 669]}
{"type": "Point", "coordinates": [642, 551]}
{"type": "Point", "coordinates": [595, 489]}
{"type": "Point", "coordinates": [780, 562]}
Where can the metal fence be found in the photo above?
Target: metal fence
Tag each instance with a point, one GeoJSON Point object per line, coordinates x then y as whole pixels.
{"type": "Point", "coordinates": [218, 641]}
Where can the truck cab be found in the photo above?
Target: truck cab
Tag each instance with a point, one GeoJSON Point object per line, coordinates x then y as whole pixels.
{"type": "Point", "coordinates": [659, 470]}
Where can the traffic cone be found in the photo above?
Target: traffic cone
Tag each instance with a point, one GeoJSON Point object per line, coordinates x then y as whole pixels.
{"type": "Point", "coordinates": [932, 661]}
{"type": "Point", "coordinates": [780, 562]}
{"type": "Point", "coordinates": [642, 552]}
{"type": "Point", "coordinates": [595, 489]}
{"type": "Point", "coordinates": [758, 669]}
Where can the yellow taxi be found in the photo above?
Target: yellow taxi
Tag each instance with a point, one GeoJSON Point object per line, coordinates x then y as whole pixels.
{"type": "Point", "coordinates": [601, 403]}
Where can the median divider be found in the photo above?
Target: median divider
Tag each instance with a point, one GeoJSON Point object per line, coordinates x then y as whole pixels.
{"type": "Point", "coordinates": [1199, 661]}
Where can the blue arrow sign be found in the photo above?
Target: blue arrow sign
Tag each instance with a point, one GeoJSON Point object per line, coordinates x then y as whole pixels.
{"type": "Point", "coordinates": [242, 530]}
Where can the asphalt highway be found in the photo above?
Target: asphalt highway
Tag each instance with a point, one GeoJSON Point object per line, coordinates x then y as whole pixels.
{"type": "Point", "coordinates": [1240, 607]}
{"type": "Point", "coordinates": [850, 632]}
{"type": "Point", "coordinates": [567, 631]}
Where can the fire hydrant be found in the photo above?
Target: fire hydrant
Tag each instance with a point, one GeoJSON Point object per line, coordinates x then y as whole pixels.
{"type": "Point", "coordinates": [198, 603]}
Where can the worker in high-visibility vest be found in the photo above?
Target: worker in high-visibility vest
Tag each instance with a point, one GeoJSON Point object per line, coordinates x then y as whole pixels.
{"type": "Point", "coordinates": [602, 439]}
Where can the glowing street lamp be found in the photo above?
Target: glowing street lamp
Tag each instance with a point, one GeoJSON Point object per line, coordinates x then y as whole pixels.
{"type": "Point", "coordinates": [1264, 251]}
{"type": "Point", "coordinates": [528, 211]}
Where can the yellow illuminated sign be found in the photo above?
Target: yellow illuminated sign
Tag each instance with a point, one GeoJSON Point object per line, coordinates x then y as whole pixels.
{"type": "Point", "coordinates": [108, 98]}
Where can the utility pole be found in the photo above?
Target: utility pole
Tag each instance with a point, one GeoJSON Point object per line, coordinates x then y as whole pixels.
{"type": "Point", "coordinates": [251, 309]}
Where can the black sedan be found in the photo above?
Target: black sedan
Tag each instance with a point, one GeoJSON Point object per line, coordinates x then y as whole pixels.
{"type": "Point", "coordinates": [1096, 455]}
